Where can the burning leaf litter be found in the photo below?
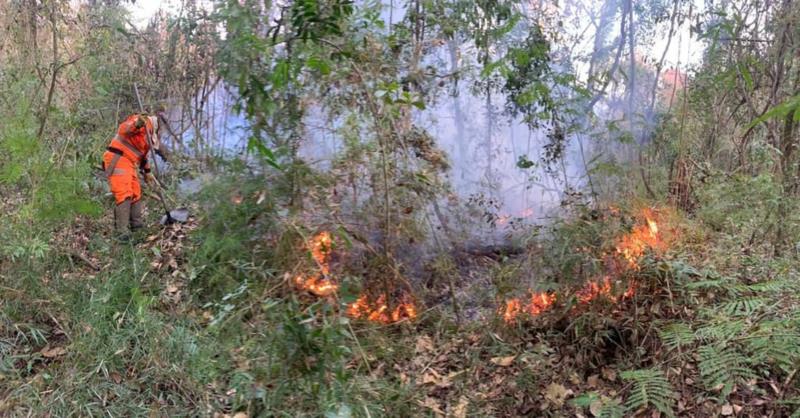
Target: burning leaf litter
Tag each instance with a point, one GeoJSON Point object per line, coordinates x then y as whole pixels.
{"type": "Point", "coordinates": [643, 237]}
{"type": "Point", "coordinates": [377, 310]}
{"type": "Point", "coordinates": [537, 304]}
{"type": "Point", "coordinates": [631, 247]}
{"type": "Point", "coordinates": [320, 246]}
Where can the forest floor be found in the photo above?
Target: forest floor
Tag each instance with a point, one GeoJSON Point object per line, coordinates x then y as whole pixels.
{"type": "Point", "coordinates": [196, 320]}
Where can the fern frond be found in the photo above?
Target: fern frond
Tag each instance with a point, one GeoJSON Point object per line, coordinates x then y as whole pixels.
{"type": "Point", "coordinates": [774, 286]}
{"type": "Point", "coordinates": [650, 389]}
{"type": "Point", "coordinates": [676, 335]}
{"type": "Point", "coordinates": [743, 306]}
{"type": "Point", "coordinates": [721, 331]}
{"type": "Point", "coordinates": [776, 343]}
{"type": "Point", "coordinates": [724, 366]}
{"type": "Point", "coordinates": [612, 409]}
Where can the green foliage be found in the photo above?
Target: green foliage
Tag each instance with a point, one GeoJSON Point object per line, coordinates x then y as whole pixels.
{"type": "Point", "coordinates": [722, 366]}
{"type": "Point", "coordinates": [232, 229]}
{"type": "Point", "coordinates": [743, 306]}
{"type": "Point", "coordinates": [676, 335]}
{"type": "Point", "coordinates": [528, 80]}
{"type": "Point", "coordinates": [774, 343]}
{"type": "Point", "coordinates": [722, 330]}
{"type": "Point", "coordinates": [613, 408]}
{"type": "Point", "coordinates": [790, 106]}
{"type": "Point", "coordinates": [650, 389]}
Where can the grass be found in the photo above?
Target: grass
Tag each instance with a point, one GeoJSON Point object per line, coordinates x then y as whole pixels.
{"type": "Point", "coordinates": [237, 339]}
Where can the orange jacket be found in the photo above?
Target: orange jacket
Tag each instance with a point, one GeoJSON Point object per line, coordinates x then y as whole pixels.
{"type": "Point", "coordinates": [132, 142]}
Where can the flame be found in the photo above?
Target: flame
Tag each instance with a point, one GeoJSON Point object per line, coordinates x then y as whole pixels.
{"type": "Point", "coordinates": [513, 308]}
{"type": "Point", "coordinates": [537, 304]}
{"type": "Point", "coordinates": [643, 237]}
{"type": "Point", "coordinates": [320, 247]}
{"type": "Point", "coordinates": [379, 311]}
{"type": "Point", "coordinates": [594, 289]}
{"type": "Point", "coordinates": [630, 291]}
{"type": "Point", "coordinates": [540, 302]}
{"type": "Point", "coordinates": [319, 286]}
{"type": "Point", "coordinates": [631, 247]}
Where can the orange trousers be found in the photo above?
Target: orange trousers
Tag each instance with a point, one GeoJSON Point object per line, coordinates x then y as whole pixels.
{"type": "Point", "coordinates": [124, 180]}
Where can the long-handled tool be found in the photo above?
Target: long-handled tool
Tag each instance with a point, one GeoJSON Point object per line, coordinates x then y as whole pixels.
{"type": "Point", "coordinates": [179, 215]}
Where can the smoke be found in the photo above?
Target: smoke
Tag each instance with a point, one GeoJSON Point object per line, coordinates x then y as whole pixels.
{"type": "Point", "coordinates": [488, 152]}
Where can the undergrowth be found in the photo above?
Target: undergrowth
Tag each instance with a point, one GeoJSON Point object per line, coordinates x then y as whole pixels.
{"type": "Point", "coordinates": [241, 339]}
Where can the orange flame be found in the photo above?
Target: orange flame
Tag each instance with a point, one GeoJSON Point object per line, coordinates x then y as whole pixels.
{"type": "Point", "coordinates": [537, 304]}
{"type": "Point", "coordinates": [513, 308]}
{"type": "Point", "coordinates": [631, 247]}
{"type": "Point", "coordinates": [594, 289]}
{"type": "Point", "coordinates": [540, 302]}
{"type": "Point", "coordinates": [320, 285]}
{"type": "Point", "coordinates": [643, 237]}
{"type": "Point", "coordinates": [379, 311]}
{"type": "Point", "coordinates": [320, 247]}
{"type": "Point", "coordinates": [630, 291]}
{"type": "Point", "coordinates": [317, 285]}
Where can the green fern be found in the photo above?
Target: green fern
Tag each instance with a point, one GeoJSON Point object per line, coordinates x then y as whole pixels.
{"type": "Point", "coordinates": [774, 286]}
{"type": "Point", "coordinates": [776, 343]}
{"type": "Point", "coordinates": [676, 335]}
{"type": "Point", "coordinates": [612, 409]}
{"type": "Point", "coordinates": [650, 389]}
{"type": "Point", "coordinates": [723, 365]}
{"type": "Point", "coordinates": [608, 407]}
{"type": "Point", "coordinates": [743, 306]}
{"type": "Point", "coordinates": [721, 331]}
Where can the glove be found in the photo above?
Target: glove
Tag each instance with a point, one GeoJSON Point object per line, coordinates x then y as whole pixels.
{"type": "Point", "coordinates": [140, 122]}
{"type": "Point", "coordinates": [150, 179]}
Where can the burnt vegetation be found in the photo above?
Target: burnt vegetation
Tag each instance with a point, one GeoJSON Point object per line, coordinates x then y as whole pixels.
{"type": "Point", "coordinates": [405, 208]}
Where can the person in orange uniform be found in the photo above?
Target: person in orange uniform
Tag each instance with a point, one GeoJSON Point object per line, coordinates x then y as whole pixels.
{"type": "Point", "coordinates": [125, 156]}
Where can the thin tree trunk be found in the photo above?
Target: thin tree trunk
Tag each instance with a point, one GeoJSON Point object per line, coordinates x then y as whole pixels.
{"type": "Point", "coordinates": [54, 67]}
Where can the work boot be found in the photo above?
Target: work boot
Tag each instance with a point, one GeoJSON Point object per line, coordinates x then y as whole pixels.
{"type": "Point", "coordinates": [136, 215]}
{"type": "Point", "coordinates": [122, 215]}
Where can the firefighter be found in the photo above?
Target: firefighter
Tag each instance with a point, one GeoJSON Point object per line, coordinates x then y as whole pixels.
{"type": "Point", "coordinates": [124, 158]}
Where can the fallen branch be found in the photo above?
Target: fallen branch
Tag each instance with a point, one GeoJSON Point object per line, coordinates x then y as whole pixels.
{"type": "Point", "coordinates": [84, 258]}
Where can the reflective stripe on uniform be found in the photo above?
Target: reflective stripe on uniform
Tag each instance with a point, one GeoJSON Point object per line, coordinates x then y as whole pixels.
{"type": "Point", "coordinates": [112, 168]}
{"type": "Point", "coordinates": [129, 146]}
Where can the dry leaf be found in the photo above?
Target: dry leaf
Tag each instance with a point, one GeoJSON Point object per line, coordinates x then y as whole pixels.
{"type": "Point", "coordinates": [609, 374]}
{"type": "Point", "coordinates": [503, 361]}
{"type": "Point", "coordinates": [48, 352]}
{"type": "Point", "coordinates": [240, 415]}
{"type": "Point", "coordinates": [172, 288]}
{"type": "Point", "coordinates": [433, 405]}
{"type": "Point", "coordinates": [593, 381]}
{"type": "Point", "coordinates": [726, 410]}
{"type": "Point", "coordinates": [430, 377]}
{"type": "Point", "coordinates": [556, 393]}
{"type": "Point", "coordinates": [574, 378]}
{"type": "Point", "coordinates": [115, 377]}
{"type": "Point", "coordinates": [460, 410]}
{"type": "Point", "coordinates": [424, 344]}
